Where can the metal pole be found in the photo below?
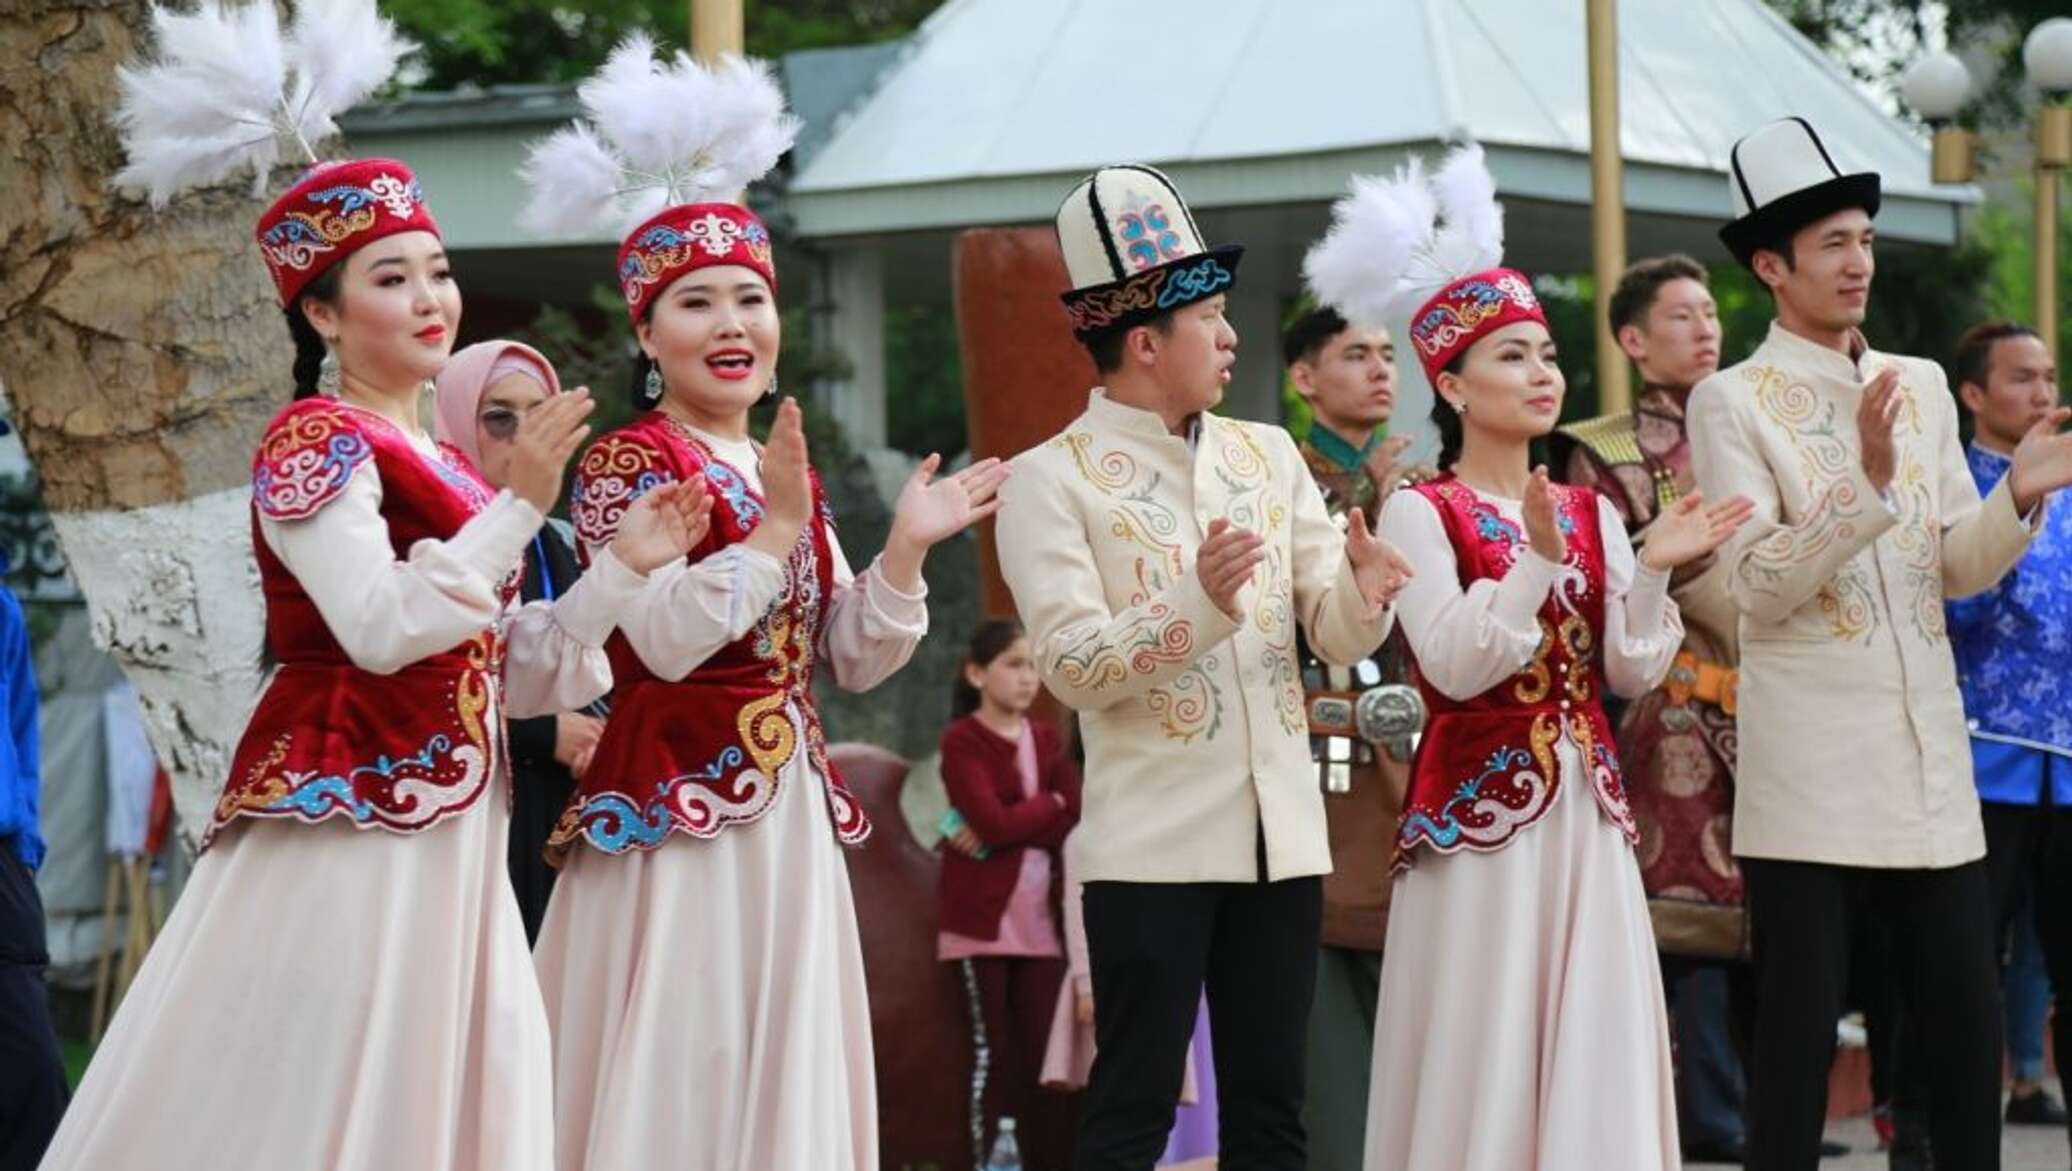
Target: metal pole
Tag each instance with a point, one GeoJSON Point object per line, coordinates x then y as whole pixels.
{"type": "Point", "coordinates": [716, 28]}
{"type": "Point", "coordinates": [2047, 257]}
{"type": "Point", "coordinates": [1607, 200]}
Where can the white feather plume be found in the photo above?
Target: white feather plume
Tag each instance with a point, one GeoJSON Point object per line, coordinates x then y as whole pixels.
{"type": "Point", "coordinates": [668, 132]}
{"type": "Point", "coordinates": [1395, 242]}
{"type": "Point", "coordinates": [1471, 222]}
{"type": "Point", "coordinates": [340, 52]}
{"type": "Point", "coordinates": [226, 90]}
{"type": "Point", "coordinates": [575, 181]}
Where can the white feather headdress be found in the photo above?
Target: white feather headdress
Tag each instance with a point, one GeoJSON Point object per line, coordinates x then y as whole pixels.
{"type": "Point", "coordinates": [657, 134]}
{"type": "Point", "coordinates": [227, 90]}
{"type": "Point", "coordinates": [1395, 242]}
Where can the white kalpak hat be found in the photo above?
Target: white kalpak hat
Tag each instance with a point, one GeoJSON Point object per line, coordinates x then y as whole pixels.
{"type": "Point", "coordinates": [1133, 251]}
{"type": "Point", "coordinates": [1782, 179]}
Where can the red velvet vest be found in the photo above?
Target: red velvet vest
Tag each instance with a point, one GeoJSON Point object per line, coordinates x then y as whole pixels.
{"type": "Point", "coordinates": [707, 751]}
{"type": "Point", "coordinates": [401, 751]}
{"type": "Point", "coordinates": [1486, 766]}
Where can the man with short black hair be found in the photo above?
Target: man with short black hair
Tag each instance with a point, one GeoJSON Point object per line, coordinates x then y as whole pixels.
{"type": "Point", "coordinates": [1854, 796]}
{"type": "Point", "coordinates": [2010, 643]}
{"type": "Point", "coordinates": [1163, 558]}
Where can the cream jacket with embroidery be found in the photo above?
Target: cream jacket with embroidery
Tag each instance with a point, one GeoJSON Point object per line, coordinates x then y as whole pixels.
{"type": "Point", "coordinates": [1852, 735]}
{"type": "Point", "coordinates": [1194, 727]}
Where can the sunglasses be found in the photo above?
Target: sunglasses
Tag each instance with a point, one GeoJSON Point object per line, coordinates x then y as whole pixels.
{"type": "Point", "coordinates": [499, 422]}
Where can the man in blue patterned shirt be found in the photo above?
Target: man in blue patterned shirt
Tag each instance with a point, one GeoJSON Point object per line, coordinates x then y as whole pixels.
{"type": "Point", "coordinates": [2011, 644]}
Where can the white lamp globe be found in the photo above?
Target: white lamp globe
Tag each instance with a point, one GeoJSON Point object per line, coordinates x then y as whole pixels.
{"type": "Point", "coordinates": [1936, 86]}
{"type": "Point", "coordinates": [2047, 54]}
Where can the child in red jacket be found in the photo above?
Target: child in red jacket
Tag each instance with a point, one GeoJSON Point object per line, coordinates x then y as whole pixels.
{"type": "Point", "coordinates": [1016, 790]}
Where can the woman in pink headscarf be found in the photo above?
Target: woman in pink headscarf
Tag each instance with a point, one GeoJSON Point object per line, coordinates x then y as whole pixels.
{"type": "Point", "coordinates": [483, 391]}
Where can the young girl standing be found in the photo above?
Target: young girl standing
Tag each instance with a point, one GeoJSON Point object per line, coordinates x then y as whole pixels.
{"type": "Point", "coordinates": [1017, 789]}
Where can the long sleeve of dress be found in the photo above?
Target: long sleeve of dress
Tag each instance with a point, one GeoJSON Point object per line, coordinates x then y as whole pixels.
{"type": "Point", "coordinates": [687, 611]}
{"type": "Point", "coordinates": [1774, 566]}
{"type": "Point", "coordinates": [388, 613]}
{"type": "Point", "coordinates": [554, 651]}
{"type": "Point", "coordinates": [1466, 640]}
{"type": "Point", "coordinates": [872, 627]}
{"type": "Point", "coordinates": [1642, 628]}
{"type": "Point", "coordinates": [1328, 601]}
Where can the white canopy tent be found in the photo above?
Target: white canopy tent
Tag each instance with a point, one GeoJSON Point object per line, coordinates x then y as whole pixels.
{"type": "Point", "coordinates": [1262, 109]}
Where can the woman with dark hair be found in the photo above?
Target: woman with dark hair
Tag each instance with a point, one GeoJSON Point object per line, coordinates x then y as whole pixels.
{"type": "Point", "coordinates": [346, 960]}
{"type": "Point", "coordinates": [700, 957]}
{"type": "Point", "coordinates": [1012, 783]}
{"type": "Point", "coordinates": [1521, 1018]}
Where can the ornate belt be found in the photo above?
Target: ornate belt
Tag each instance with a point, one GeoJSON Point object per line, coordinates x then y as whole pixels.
{"type": "Point", "coordinates": [1691, 677]}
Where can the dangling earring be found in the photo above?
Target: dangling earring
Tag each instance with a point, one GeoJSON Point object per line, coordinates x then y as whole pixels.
{"type": "Point", "coordinates": [770, 391]}
{"type": "Point", "coordinates": [328, 380]}
{"type": "Point", "coordinates": [1460, 406]}
{"type": "Point", "coordinates": [651, 392]}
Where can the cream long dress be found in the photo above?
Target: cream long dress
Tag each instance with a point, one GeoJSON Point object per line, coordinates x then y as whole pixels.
{"type": "Point", "coordinates": [1521, 1022]}
{"type": "Point", "coordinates": [707, 996]}
{"type": "Point", "coordinates": [345, 999]}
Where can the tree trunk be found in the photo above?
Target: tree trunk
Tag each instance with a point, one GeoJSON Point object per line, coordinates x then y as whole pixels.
{"type": "Point", "coordinates": [143, 354]}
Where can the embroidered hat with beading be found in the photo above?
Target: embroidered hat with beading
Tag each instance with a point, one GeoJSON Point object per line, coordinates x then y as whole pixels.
{"type": "Point", "coordinates": [1425, 248]}
{"type": "Point", "coordinates": [1133, 251]}
{"type": "Point", "coordinates": [667, 145]}
{"type": "Point", "coordinates": [333, 211]}
{"type": "Point", "coordinates": [227, 91]}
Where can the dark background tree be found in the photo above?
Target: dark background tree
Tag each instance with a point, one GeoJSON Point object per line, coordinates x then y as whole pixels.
{"type": "Point", "coordinates": [492, 42]}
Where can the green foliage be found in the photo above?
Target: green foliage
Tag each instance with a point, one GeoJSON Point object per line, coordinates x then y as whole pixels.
{"type": "Point", "coordinates": [924, 381]}
{"type": "Point", "coordinates": [490, 42]}
{"type": "Point", "coordinates": [1875, 40]}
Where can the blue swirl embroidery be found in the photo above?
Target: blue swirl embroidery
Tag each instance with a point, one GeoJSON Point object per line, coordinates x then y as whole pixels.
{"type": "Point", "coordinates": [1445, 829]}
{"type": "Point", "coordinates": [613, 823]}
{"type": "Point", "coordinates": [1190, 283]}
{"type": "Point", "coordinates": [735, 491]}
{"type": "Point", "coordinates": [322, 796]}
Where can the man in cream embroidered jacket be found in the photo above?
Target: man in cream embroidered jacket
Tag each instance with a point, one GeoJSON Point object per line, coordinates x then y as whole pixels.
{"type": "Point", "coordinates": [1853, 745]}
{"type": "Point", "coordinates": [1195, 733]}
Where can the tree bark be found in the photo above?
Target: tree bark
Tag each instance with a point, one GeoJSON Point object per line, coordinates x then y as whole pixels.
{"type": "Point", "coordinates": [143, 354]}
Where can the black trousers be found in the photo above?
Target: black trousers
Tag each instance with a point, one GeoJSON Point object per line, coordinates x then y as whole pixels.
{"type": "Point", "coordinates": [2032, 844]}
{"type": "Point", "coordinates": [32, 1079]}
{"type": "Point", "coordinates": [1153, 947]}
{"type": "Point", "coordinates": [1803, 916]}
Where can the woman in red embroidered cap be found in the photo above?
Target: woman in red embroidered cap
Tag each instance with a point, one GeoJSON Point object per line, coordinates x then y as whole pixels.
{"type": "Point", "coordinates": [1521, 1015]}
{"type": "Point", "coordinates": [344, 982]}
{"type": "Point", "coordinates": [700, 955]}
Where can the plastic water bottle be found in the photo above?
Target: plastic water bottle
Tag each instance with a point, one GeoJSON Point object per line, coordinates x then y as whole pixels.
{"type": "Point", "coordinates": [1007, 1153]}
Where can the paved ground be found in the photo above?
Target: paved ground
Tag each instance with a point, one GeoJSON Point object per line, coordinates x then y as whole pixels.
{"type": "Point", "coordinates": [2023, 1148]}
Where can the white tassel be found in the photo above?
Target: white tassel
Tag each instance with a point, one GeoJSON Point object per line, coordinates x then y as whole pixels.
{"type": "Point", "coordinates": [226, 90]}
{"type": "Point", "coordinates": [1395, 242]}
{"type": "Point", "coordinates": [672, 132]}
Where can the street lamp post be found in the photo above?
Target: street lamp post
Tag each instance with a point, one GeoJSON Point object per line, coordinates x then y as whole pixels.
{"type": "Point", "coordinates": [2047, 56]}
{"type": "Point", "coordinates": [1938, 85]}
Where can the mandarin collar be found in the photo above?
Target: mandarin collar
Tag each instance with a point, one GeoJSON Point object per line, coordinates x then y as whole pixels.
{"type": "Point", "coordinates": [1805, 351]}
{"type": "Point", "coordinates": [1108, 414]}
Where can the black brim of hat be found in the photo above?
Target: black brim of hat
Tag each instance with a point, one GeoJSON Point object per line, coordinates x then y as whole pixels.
{"type": "Point", "coordinates": [1781, 217]}
{"type": "Point", "coordinates": [1142, 296]}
